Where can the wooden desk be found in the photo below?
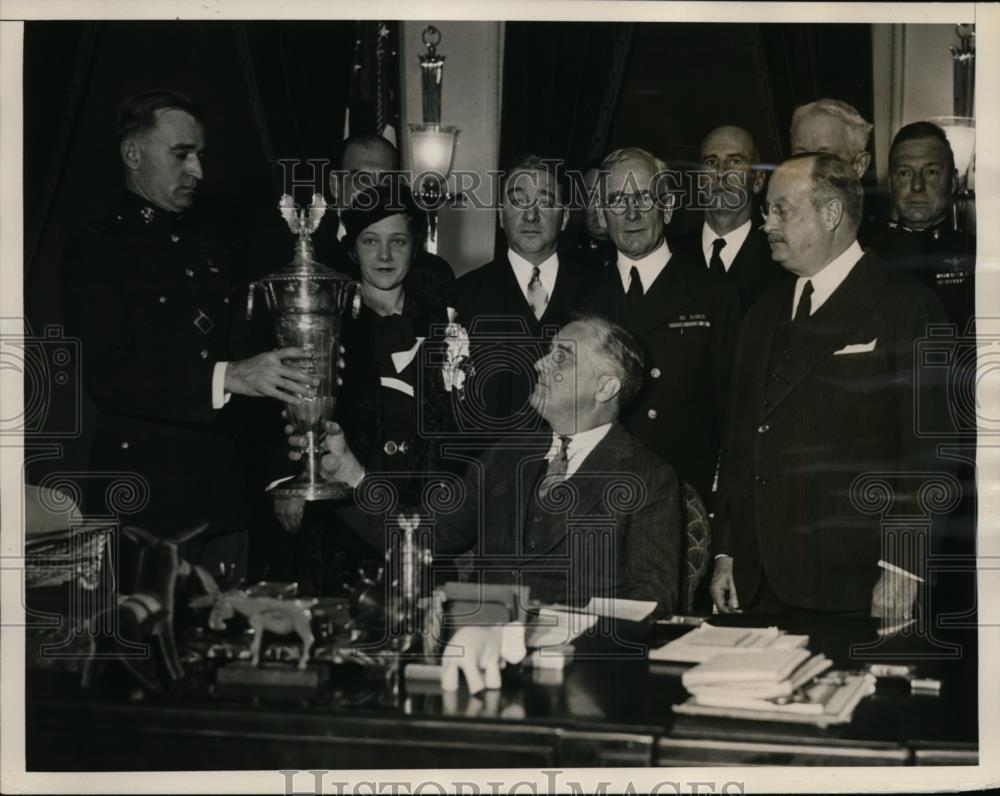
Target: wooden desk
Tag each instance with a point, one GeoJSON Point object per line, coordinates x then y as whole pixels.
{"type": "Point", "coordinates": [610, 710]}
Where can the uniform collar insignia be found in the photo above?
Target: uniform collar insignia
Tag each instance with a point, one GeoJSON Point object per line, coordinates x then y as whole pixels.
{"type": "Point", "coordinates": [148, 214]}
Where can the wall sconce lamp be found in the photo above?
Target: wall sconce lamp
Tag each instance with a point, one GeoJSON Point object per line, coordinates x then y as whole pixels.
{"type": "Point", "coordinates": [961, 128]}
{"type": "Point", "coordinates": [431, 144]}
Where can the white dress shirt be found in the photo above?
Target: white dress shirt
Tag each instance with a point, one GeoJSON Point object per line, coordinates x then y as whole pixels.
{"type": "Point", "coordinates": [579, 448]}
{"type": "Point", "coordinates": [829, 279]}
{"type": "Point", "coordinates": [734, 241]}
{"type": "Point", "coordinates": [547, 272]}
{"type": "Point", "coordinates": [649, 266]}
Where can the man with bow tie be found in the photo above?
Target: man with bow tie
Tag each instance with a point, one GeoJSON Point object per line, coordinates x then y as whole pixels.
{"type": "Point", "coordinates": [585, 511]}
{"type": "Point", "coordinates": [823, 427]}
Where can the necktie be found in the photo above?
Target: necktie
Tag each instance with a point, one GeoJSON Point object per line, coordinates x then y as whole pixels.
{"type": "Point", "coordinates": [634, 294]}
{"type": "Point", "coordinates": [556, 471]}
{"type": "Point", "coordinates": [715, 264]}
{"type": "Point", "coordinates": [804, 310]}
{"type": "Point", "coordinates": [538, 299]}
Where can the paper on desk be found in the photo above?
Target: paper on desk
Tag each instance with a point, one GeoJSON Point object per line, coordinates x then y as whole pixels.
{"type": "Point", "coordinates": [554, 627]}
{"type": "Point", "coordinates": [707, 641]}
{"type": "Point", "coordinates": [629, 610]}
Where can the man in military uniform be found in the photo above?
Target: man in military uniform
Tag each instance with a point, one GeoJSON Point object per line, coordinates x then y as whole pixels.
{"type": "Point", "coordinates": [147, 290]}
{"type": "Point", "coordinates": [685, 316]}
{"type": "Point", "coordinates": [919, 236]}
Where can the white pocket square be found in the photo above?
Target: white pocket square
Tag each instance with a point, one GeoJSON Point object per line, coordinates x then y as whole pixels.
{"type": "Point", "coordinates": [857, 348]}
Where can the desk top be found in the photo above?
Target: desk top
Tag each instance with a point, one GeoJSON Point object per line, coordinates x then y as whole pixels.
{"type": "Point", "coordinates": [611, 707]}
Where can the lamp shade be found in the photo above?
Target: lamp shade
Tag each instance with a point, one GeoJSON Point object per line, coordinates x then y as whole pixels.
{"type": "Point", "coordinates": [432, 149]}
{"type": "Point", "coordinates": [961, 132]}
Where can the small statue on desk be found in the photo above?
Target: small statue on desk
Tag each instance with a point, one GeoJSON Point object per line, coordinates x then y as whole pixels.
{"type": "Point", "coordinates": [280, 615]}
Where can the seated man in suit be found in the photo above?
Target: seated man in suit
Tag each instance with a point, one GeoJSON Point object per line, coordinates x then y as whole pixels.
{"type": "Point", "coordinates": [731, 242]}
{"type": "Point", "coordinates": [825, 402]}
{"type": "Point", "coordinates": [510, 306]}
{"type": "Point", "coordinates": [586, 511]}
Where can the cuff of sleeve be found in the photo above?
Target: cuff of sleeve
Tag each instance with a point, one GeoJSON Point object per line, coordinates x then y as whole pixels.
{"type": "Point", "coordinates": [219, 395]}
{"type": "Point", "coordinates": [722, 555]}
{"type": "Point", "coordinates": [899, 571]}
{"type": "Point", "coordinates": [360, 478]}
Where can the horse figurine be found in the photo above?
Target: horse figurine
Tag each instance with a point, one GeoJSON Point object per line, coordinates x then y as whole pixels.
{"type": "Point", "coordinates": [279, 615]}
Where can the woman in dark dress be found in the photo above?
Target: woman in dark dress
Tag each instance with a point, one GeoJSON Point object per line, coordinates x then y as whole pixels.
{"type": "Point", "coordinates": [392, 405]}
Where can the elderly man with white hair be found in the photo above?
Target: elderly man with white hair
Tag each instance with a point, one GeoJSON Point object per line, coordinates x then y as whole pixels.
{"type": "Point", "coordinates": [833, 126]}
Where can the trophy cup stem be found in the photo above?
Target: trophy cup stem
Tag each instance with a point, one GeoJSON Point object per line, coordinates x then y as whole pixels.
{"type": "Point", "coordinates": [310, 484]}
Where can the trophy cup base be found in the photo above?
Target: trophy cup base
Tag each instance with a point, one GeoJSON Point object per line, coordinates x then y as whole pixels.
{"type": "Point", "coordinates": [309, 492]}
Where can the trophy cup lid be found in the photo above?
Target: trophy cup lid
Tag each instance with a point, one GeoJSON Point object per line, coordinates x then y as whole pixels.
{"type": "Point", "coordinates": [303, 222]}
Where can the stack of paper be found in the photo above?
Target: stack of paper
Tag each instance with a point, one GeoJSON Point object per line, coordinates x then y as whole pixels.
{"type": "Point", "coordinates": [773, 684]}
{"type": "Point", "coordinates": [706, 642]}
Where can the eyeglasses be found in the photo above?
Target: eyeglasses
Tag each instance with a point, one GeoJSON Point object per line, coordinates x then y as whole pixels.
{"type": "Point", "coordinates": [780, 212]}
{"type": "Point", "coordinates": [618, 203]}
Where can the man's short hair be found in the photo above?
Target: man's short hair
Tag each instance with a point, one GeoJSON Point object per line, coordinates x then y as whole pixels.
{"type": "Point", "coordinates": [858, 130]}
{"type": "Point", "coordinates": [530, 161]}
{"type": "Point", "coordinates": [918, 130]}
{"type": "Point", "coordinates": [833, 178]}
{"type": "Point", "coordinates": [633, 153]}
{"type": "Point", "coordinates": [622, 349]}
{"type": "Point", "coordinates": [366, 141]}
{"type": "Point", "coordinates": [137, 114]}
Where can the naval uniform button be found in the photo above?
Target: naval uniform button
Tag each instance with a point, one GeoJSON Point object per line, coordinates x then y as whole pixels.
{"type": "Point", "coordinates": [225, 300]}
{"type": "Point", "coordinates": [174, 239]}
{"type": "Point", "coordinates": [189, 272]}
{"type": "Point", "coordinates": [651, 414]}
{"type": "Point", "coordinates": [390, 448]}
{"type": "Point", "coordinates": [125, 445]}
{"type": "Point", "coordinates": [763, 429]}
{"type": "Point", "coordinates": [163, 299]}
{"type": "Point", "coordinates": [204, 353]}
{"type": "Point", "coordinates": [655, 373]}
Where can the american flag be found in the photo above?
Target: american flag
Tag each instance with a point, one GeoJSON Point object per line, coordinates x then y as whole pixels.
{"type": "Point", "coordinates": [373, 104]}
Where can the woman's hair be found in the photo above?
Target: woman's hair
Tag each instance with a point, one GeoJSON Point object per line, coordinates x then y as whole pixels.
{"type": "Point", "coordinates": [374, 203]}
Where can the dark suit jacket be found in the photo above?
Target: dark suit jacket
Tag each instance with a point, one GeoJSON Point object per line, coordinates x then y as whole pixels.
{"type": "Point", "coordinates": [687, 324]}
{"type": "Point", "coordinates": [752, 272]}
{"type": "Point", "coordinates": [788, 501]}
{"type": "Point", "coordinates": [506, 339]}
{"type": "Point", "coordinates": [612, 529]}
{"type": "Point", "coordinates": [133, 285]}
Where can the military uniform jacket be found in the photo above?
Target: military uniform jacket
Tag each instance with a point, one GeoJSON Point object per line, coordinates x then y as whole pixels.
{"type": "Point", "coordinates": [752, 270]}
{"type": "Point", "coordinates": [817, 408]}
{"type": "Point", "coordinates": [148, 294]}
{"type": "Point", "coordinates": [687, 323]}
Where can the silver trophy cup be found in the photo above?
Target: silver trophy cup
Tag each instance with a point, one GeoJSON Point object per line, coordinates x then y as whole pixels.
{"type": "Point", "coordinates": [307, 301]}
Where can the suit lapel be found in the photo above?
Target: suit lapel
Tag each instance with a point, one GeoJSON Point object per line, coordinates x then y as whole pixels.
{"type": "Point", "coordinates": [827, 329]}
{"type": "Point", "coordinates": [590, 482]}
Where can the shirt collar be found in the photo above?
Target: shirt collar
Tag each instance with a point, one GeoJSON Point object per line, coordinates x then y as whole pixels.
{"type": "Point", "coordinates": [734, 242]}
{"type": "Point", "coordinates": [830, 278]}
{"type": "Point", "coordinates": [522, 271]}
{"type": "Point", "coordinates": [580, 445]}
{"type": "Point", "coordinates": [649, 266]}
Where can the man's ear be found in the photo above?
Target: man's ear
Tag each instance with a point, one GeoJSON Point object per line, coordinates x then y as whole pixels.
{"type": "Point", "coordinates": [602, 218]}
{"type": "Point", "coordinates": [668, 209]}
{"type": "Point", "coordinates": [131, 154]}
{"type": "Point", "coordinates": [833, 214]}
{"type": "Point", "coordinates": [334, 184]}
{"type": "Point", "coordinates": [861, 163]}
{"type": "Point", "coordinates": [609, 387]}
{"type": "Point", "coordinates": [500, 216]}
{"type": "Point", "coordinates": [757, 183]}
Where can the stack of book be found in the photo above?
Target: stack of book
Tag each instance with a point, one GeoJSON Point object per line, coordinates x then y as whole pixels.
{"type": "Point", "coordinates": [763, 674]}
